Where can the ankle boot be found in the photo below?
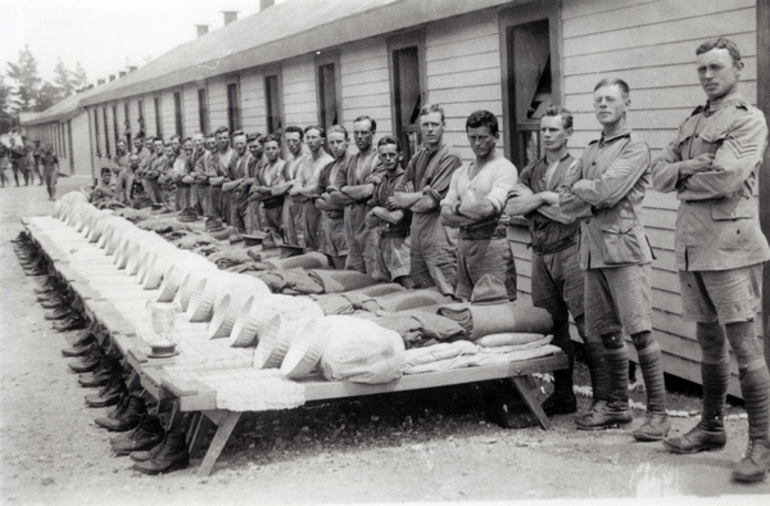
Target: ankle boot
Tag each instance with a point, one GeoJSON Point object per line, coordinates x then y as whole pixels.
{"type": "Point", "coordinates": [756, 462]}
{"type": "Point", "coordinates": [147, 434]}
{"type": "Point", "coordinates": [107, 369]}
{"type": "Point", "coordinates": [108, 395]}
{"type": "Point", "coordinates": [74, 322]}
{"type": "Point", "coordinates": [79, 350]}
{"type": "Point", "coordinates": [615, 410]}
{"type": "Point", "coordinates": [84, 338]}
{"type": "Point", "coordinates": [562, 401]}
{"type": "Point", "coordinates": [145, 455]}
{"type": "Point", "coordinates": [59, 314]}
{"type": "Point", "coordinates": [171, 456]}
{"type": "Point", "coordinates": [128, 418]}
{"type": "Point", "coordinates": [597, 368]}
{"type": "Point", "coordinates": [90, 361]}
{"type": "Point", "coordinates": [656, 424]}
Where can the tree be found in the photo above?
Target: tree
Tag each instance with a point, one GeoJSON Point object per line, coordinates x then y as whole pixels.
{"type": "Point", "coordinates": [79, 78]}
{"type": "Point", "coordinates": [27, 81]}
{"type": "Point", "coordinates": [47, 96]}
{"type": "Point", "coordinates": [62, 80]}
{"type": "Point", "coordinates": [6, 120]}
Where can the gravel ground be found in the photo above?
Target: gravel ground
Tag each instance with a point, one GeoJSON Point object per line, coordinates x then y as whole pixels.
{"type": "Point", "coordinates": [428, 446]}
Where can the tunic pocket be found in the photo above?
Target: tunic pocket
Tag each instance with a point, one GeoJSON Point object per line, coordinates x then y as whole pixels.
{"type": "Point", "coordinates": [621, 244]}
{"type": "Point", "coordinates": [735, 208]}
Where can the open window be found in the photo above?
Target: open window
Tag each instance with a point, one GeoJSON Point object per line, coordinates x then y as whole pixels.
{"type": "Point", "coordinates": [106, 132]}
{"type": "Point", "coordinates": [327, 77]}
{"type": "Point", "coordinates": [407, 69]}
{"type": "Point", "coordinates": [233, 104]}
{"type": "Point", "coordinates": [127, 126]}
{"type": "Point", "coordinates": [273, 102]}
{"type": "Point", "coordinates": [531, 78]}
{"type": "Point", "coordinates": [96, 132]}
{"type": "Point", "coordinates": [115, 129]}
{"type": "Point", "coordinates": [158, 118]}
{"type": "Point", "coordinates": [140, 118]}
{"type": "Point", "coordinates": [178, 123]}
{"type": "Point", "coordinates": [203, 110]}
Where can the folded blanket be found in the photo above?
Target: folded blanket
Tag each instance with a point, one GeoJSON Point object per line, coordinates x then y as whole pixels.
{"type": "Point", "coordinates": [417, 329]}
{"type": "Point", "coordinates": [340, 281]}
{"type": "Point", "coordinates": [441, 351]}
{"type": "Point", "coordinates": [480, 359]}
{"type": "Point", "coordinates": [507, 348]}
{"type": "Point", "coordinates": [290, 281]}
{"type": "Point", "coordinates": [250, 267]}
{"type": "Point", "coordinates": [334, 303]}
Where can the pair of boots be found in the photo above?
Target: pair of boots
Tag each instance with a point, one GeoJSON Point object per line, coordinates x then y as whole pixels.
{"type": "Point", "coordinates": [153, 450]}
{"type": "Point", "coordinates": [612, 408]}
{"type": "Point", "coordinates": [126, 416]}
{"type": "Point", "coordinates": [709, 434]}
{"type": "Point", "coordinates": [109, 394]}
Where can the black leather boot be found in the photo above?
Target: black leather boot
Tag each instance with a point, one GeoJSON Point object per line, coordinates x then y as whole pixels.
{"type": "Point", "coordinates": [107, 369]}
{"type": "Point", "coordinates": [110, 394]}
{"type": "Point", "coordinates": [90, 361]}
{"type": "Point", "coordinates": [172, 455]}
{"type": "Point", "coordinates": [74, 322]}
{"type": "Point", "coordinates": [126, 419]}
{"type": "Point", "coordinates": [147, 434]}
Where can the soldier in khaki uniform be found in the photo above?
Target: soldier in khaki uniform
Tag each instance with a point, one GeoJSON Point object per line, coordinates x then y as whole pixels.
{"type": "Point", "coordinates": [713, 165]}
{"type": "Point", "coordinates": [606, 190]}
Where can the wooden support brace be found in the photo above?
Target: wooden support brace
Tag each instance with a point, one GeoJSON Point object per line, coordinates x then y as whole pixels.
{"type": "Point", "coordinates": [523, 385]}
{"type": "Point", "coordinates": [226, 427]}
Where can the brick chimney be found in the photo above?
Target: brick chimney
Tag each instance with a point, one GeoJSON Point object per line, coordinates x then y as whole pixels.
{"type": "Point", "coordinates": [112, 77]}
{"type": "Point", "coordinates": [100, 82]}
{"type": "Point", "coordinates": [264, 4]}
{"type": "Point", "coordinates": [131, 68]}
{"type": "Point", "coordinates": [230, 16]}
{"type": "Point", "coordinates": [202, 30]}
{"type": "Point", "coordinates": [122, 73]}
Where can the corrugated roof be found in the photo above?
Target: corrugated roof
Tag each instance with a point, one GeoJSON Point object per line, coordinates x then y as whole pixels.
{"type": "Point", "coordinates": [286, 30]}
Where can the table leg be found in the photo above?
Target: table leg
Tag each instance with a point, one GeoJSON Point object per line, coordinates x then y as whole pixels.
{"type": "Point", "coordinates": [527, 393]}
{"type": "Point", "coordinates": [226, 427]}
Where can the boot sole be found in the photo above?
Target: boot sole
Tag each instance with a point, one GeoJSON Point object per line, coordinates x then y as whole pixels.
{"type": "Point", "coordinates": [749, 479]}
{"type": "Point", "coordinates": [682, 451]}
{"type": "Point", "coordinates": [173, 467]}
{"type": "Point", "coordinates": [560, 411]}
{"type": "Point", "coordinates": [613, 425]}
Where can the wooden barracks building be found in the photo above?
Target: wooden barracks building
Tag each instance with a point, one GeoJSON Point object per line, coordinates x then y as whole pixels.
{"type": "Point", "coordinates": [321, 61]}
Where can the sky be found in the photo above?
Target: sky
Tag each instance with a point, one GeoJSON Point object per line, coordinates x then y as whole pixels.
{"type": "Point", "coordinates": [105, 35]}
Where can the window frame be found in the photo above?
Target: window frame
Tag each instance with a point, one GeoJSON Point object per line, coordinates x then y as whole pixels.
{"type": "Point", "coordinates": [521, 15]}
{"type": "Point", "coordinates": [157, 102]}
{"type": "Point", "coordinates": [270, 111]}
{"type": "Point", "coordinates": [398, 42]}
{"type": "Point", "coordinates": [204, 123]}
{"type": "Point", "coordinates": [178, 113]}
{"type": "Point", "coordinates": [106, 132]}
{"type": "Point", "coordinates": [322, 60]}
{"type": "Point", "coordinates": [234, 112]}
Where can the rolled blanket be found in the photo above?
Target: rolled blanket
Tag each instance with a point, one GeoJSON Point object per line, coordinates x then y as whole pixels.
{"type": "Point", "coordinates": [483, 320]}
{"type": "Point", "coordinates": [409, 299]}
{"type": "Point", "coordinates": [508, 348]}
{"type": "Point", "coordinates": [508, 339]}
{"type": "Point", "coordinates": [376, 290]}
{"type": "Point", "coordinates": [334, 303]}
{"type": "Point", "coordinates": [341, 281]}
{"type": "Point", "coordinates": [311, 260]}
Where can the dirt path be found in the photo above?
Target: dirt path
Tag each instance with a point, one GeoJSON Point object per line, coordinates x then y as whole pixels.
{"type": "Point", "coordinates": [430, 446]}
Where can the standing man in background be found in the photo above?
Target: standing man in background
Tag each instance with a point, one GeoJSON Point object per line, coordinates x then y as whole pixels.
{"type": "Point", "coordinates": [426, 182]}
{"type": "Point", "coordinates": [475, 203]}
{"type": "Point", "coordinates": [293, 222]}
{"type": "Point", "coordinates": [713, 166]}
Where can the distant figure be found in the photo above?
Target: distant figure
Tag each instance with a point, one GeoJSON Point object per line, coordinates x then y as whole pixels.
{"type": "Point", "coordinates": [37, 152]}
{"type": "Point", "coordinates": [5, 160]}
{"type": "Point", "coordinates": [50, 164]}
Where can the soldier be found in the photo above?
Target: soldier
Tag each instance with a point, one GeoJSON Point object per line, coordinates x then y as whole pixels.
{"type": "Point", "coordinates": [713, 165]}
{"type": "Point", "coordinates": [293, 221]}
{"type": "Point", "coordinates": [475, 204]}
{"type": "Point", "coordinates": [37, 153]}
{"type": "Point", "coordinates": [334, 244]}
{"type": "Point", "coordinates": [231, 189]}
{"type": "Point", "coordinates": [220, 166]}
{"type": "Point", "coordinates": [352, 188]}
{"type": "Point", "coordinates": [269, 186]}
{"type": "Point", "coordinates": [390, 228]}
{"type": "Point", "coordinates": [50, 164]}
{"type": "Point", "coordinates": [120, 158]}
{"type": "Point", "coordinates": [16, 157]}
{"type": "Point", "coordinates": [432, 259]}
{"type": "Point", "coordinates": [557, 281]}
{"type": "Point", "coordinates": [155, 167]}
{"type": "Point", "coordinates": [606, 189]}
{"type": "Point", "coordinates": [306, 185]}
{"type": "Point", "coordinates": [256, 162]}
